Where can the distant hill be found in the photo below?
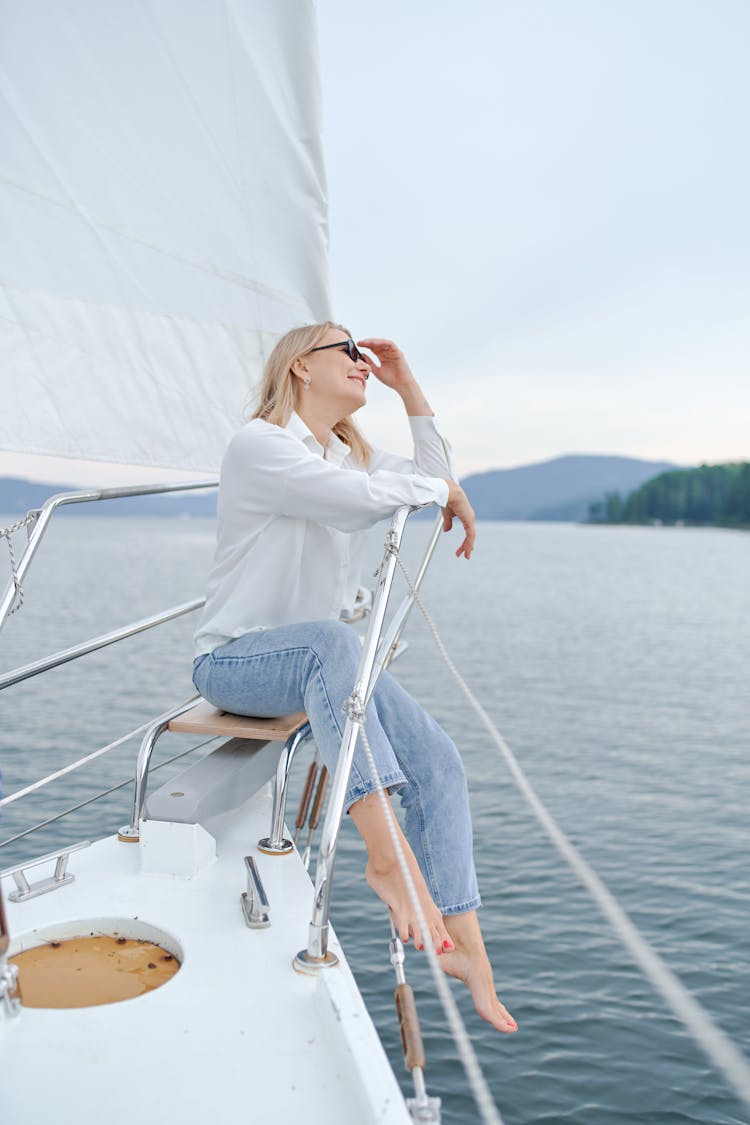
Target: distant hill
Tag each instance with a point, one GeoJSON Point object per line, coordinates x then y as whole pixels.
{"type": "Point", "coordinates": [18, 496]}
{"type": "Point", "coordinates": [560, 489]}
{"type": "Point", "coordinates": [712, 495]}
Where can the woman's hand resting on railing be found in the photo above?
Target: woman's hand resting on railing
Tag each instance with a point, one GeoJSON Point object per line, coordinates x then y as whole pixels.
{"type": "Point", "coordinates": [458, 507]}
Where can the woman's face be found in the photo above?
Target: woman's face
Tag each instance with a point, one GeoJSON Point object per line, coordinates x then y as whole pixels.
{"type": "Point", "coordinates": [335, 378]}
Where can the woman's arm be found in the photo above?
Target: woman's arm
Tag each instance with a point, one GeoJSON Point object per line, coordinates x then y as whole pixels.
{"type": "Point", "coordinates": [269, 471]}
{"type": "Point", "coordinates": [393, 371]}
{"type": "Point", "coordinates": [432, 453]}
{"type": "Point", "coordinates": [431, 450]}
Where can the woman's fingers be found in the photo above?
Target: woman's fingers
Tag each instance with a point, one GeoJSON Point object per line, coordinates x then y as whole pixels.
{"type": "Point", "coordinates": [465, 549]}
{"type": "Point", "coordinates": [375, 344]}
{"type": "Point", "coordinates": [458, 506]}
{"type": "Point", "coordinates": [391, 367]}
{"type": "Point", "coordinates": [467, 546]}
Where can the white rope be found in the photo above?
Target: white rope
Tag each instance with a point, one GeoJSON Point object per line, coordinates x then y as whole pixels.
{"type": "Point", "coordinates": [489, 1112]}
{"type": "Point", "coordinates": [6, 533]}
{"type": "Point", "coordinates": [714, 1042]}
{"type": "Point", "coordinates": [82, 761]}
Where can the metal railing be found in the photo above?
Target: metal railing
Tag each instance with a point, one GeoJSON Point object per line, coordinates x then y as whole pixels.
{"type": "Point", "coordinates": [377, 652]}
{"type": "Point", "coordinates": [26, 671]}
{"type": "Point", "coordinates": [38, 520]}
{"type": "Point", "coordinates": [376, 655]}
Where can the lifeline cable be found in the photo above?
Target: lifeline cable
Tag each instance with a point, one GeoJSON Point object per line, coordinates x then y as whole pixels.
{"type": "Point", "coordinates": [82, 761]}
{"type": "Point", "coordinates": [98, 796]}
{"type": "Point", "coordinates": [714, 1042]}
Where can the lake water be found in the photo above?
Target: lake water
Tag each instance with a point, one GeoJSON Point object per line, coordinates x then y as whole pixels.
{"type": "Point", "coordinates": [614, 660]}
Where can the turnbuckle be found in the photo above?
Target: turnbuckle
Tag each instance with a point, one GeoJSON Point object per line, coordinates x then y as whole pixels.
{"type": "Point", "coordinates": [421, 1107]}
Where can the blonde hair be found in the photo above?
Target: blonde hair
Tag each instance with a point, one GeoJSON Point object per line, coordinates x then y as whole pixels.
{"type": "Point", "coordinates": [277, 391]}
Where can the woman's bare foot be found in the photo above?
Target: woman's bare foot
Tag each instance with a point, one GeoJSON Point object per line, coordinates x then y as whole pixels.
{"type": "Point", "coordinates": [469, 962]}
{"type": "Point", "coordinates": [384, 875]}
{"type": "Point", "coordinates": [389, 885]}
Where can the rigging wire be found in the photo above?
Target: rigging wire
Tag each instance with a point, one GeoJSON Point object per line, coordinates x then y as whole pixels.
{"type": "Point", "coordinates": [714, 1042]}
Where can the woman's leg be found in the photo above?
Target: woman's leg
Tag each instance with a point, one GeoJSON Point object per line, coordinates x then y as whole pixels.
{"type": "Point", "coordinates": [438, 827]}
{"type": "Point", "coordinates": [312, 667]}
{"type": "Point", "coordinates": [384, 875]}
{"type": "Point", "coordinates": [435, 798]}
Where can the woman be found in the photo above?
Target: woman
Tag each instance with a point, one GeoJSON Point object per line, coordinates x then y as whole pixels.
{"type": "Point", "coordinates": [299, 485]}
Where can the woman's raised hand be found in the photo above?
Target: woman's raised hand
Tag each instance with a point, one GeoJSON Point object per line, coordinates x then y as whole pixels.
{"type": "Point", "coordinates": [393, 370]}
{"type": "Point", "coordinates": [458, 507]}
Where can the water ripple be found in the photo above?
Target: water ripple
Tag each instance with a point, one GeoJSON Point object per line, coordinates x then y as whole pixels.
{"type": "Point", "coordinates": [617, 669]}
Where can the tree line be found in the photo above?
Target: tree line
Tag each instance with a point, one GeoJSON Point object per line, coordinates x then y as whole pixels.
{"type": "Point", "coordinates": [708, 495]}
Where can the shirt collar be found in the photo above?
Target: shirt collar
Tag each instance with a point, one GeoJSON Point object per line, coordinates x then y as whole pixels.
{"type": "Point", "coordinates": [336, 450]}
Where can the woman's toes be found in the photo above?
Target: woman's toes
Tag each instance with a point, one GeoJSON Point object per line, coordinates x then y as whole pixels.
{"type": "Point", "coordinates": [505, 1021]}
{"type": "Point", "coordinates": [446, 942]}
{"type": "Point", "coordinates": [403, 929]}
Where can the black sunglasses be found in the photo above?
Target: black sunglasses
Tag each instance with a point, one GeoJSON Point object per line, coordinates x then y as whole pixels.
{"type": "Point", "coordinates": [355, 355]}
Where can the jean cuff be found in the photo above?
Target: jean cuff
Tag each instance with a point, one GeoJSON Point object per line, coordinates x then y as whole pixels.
{"type": "Point", "coordinates": [462, 907]}
{"type": "Point", "coordinates": [392, 782]}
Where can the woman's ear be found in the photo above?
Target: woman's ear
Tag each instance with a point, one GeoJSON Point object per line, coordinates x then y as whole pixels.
{"type": "Point", "coordinates": [299, 367]}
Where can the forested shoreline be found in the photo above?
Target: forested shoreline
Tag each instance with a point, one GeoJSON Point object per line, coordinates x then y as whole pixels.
{"type": "Point", "coordinates": [711, 495]}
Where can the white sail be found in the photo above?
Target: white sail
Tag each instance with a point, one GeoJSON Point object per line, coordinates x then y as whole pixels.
{"type": "Point", "coordinates": [162, 219]}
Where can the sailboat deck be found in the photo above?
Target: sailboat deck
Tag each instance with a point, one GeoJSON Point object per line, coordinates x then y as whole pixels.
{"type": "Point", "coordinates": [235, 1030]}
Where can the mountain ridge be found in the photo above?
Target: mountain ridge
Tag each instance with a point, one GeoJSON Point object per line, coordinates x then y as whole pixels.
{"type": "Point", "coordinates": [558, 489]}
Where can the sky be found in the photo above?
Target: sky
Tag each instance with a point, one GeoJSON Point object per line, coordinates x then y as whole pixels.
{"type": "Point", "coordinates": [545, 204]}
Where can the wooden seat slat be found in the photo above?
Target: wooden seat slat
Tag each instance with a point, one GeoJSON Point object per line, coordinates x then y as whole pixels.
{"type": "Point", "coordinates": [206, 719]}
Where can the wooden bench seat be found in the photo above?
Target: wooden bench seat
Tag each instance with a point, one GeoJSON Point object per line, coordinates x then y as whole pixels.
{"type": "Point", "coordinates": [203, 718]}
{"type": "Point", "coordinates": [207, 719]}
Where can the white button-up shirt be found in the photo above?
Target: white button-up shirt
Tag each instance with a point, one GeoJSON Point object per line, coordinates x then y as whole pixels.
{"type": "Point", "coordinates": [292, 518]}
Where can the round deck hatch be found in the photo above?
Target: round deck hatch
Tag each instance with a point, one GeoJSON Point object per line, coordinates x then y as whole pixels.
{"type": "Point", "coordinates": [83, 964]}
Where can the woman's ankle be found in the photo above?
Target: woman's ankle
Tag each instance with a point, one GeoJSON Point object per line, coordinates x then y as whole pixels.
{"type": "Point", "coordinates": [465, 931]}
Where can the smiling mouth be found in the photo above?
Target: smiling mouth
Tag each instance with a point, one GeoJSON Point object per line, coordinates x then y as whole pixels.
{"type": "Point", "coordinates": [359, 379]}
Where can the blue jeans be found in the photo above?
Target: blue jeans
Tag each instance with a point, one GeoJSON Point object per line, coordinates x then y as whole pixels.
{"type": "Point", "coordinates": [312, 667]}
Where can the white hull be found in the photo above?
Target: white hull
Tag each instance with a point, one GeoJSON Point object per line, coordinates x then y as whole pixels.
{"type": "Point", "coordinates": [236, 1031]}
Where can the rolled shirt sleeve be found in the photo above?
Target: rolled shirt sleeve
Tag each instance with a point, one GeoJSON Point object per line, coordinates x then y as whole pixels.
{"type": "Point", "coordinates": [432, 452]}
